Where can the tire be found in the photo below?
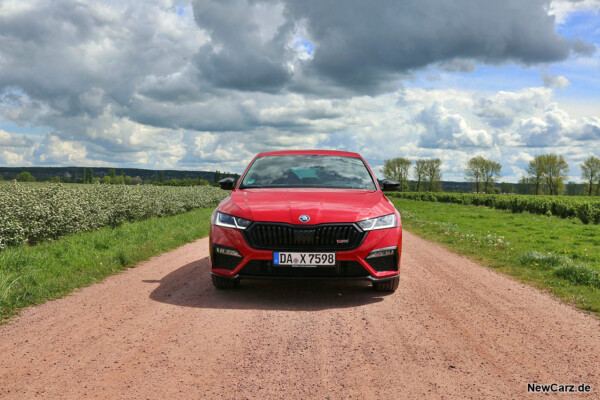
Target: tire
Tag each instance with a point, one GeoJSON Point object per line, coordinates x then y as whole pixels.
{"type": "Point", "coordinates": [387, 286]}
{"type": "Point", "coordinates": [225, 283]}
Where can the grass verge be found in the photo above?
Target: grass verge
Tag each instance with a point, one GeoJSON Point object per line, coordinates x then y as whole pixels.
{"type": "Point", "coordinates": [559, 255]}
{"type": "Point", "coordinates": [33, 275]}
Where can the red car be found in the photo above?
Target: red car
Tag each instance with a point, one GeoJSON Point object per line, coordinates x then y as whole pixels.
{"type": "Point", "coordinates": [306, 214]}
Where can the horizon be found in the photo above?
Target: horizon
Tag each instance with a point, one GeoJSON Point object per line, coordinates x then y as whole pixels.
{"type": "Point", "coordinates": [462, 181]}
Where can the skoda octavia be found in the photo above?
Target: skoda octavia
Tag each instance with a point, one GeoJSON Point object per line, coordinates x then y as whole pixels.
{"type": "Point", "coordinates": [306, 214]}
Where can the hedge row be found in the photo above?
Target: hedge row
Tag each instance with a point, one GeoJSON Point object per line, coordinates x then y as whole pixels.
{"type": "Point", "coordinates": [30, 213]}
{"type": "Point", "coordinates": [588, 211]}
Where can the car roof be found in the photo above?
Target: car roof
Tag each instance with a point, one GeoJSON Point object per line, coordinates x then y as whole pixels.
{"type": "Point", "coordinates": [309, 152]}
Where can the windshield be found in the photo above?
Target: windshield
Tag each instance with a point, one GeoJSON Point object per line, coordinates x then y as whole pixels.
{"type": "Point", "coordinates": [308, 171]}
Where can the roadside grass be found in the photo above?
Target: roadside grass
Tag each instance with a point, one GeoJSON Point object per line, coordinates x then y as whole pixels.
{"type": "Point", "coordinates": [33, 275]}
{"type": "Point", "coordinates": [552, 253]}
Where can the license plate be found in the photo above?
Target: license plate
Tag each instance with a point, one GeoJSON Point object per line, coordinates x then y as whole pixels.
{"type": "Point", "coordinates": [303, 259]}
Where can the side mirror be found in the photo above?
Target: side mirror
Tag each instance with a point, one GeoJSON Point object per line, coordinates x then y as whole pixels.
{"type": "Point", "coordinates": [227, 183]}
{"type": "Point", "coordinates": [389, 185]}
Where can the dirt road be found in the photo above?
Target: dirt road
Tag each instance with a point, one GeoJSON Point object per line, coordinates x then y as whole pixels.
{"type": "Point", "coordinates": [454, 329]}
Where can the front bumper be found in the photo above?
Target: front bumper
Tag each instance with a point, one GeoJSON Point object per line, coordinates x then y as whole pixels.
{"type": "Point", "coordinates": [351, 264]}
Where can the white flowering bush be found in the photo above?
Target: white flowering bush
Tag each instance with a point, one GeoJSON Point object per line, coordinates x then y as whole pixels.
{"type": "Point", "coordinates": [34, 213]}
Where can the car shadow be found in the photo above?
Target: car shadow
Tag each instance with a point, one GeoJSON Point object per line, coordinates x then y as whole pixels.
{"type": "Point", "coordinates": [191, 286]}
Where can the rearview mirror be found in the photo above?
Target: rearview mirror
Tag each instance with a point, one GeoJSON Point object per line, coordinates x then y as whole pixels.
{"type": "Point", "coordinates": [227, 183]}
{"type": "Point", "coordinates": [389, 185]}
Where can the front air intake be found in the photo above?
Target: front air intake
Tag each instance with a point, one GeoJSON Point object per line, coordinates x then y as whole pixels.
{"type": "Point", "coordinates": [325, 237]}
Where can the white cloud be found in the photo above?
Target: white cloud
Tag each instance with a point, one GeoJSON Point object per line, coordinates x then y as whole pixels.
{"type": "Point", "coordinates": [54, 151]}
{"type": "Point", "coordinates": [561, 9]}
{"type": "Point", "coordinates": [12, 158]}
{"type": "Point", "coordinates": [445, 129]}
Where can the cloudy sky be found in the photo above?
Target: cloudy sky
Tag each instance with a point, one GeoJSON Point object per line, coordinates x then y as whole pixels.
{"type": "Point", "coordinates": [208, 84]}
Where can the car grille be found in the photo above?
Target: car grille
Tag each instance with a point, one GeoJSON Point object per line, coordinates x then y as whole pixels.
{"type": "Point", "coordinates": [265, 268]}
{"type": "Point", "coordinates": [332, 237]}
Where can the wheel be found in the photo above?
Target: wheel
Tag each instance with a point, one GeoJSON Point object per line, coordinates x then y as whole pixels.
{"type": "Point", "coordinates": [225, 283]}
{"type": "Point", "coordinates": [387, 286]}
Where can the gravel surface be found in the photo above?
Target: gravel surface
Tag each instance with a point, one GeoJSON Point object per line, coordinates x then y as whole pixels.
{"type": "Point", "coordinates": [454, 329]}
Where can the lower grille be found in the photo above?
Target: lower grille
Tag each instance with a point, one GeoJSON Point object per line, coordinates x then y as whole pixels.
{"type": "Point", "coordinates": [265, 268]}
{"type": "Point", "coordinates": [387, 263]}
{"type": "Point", "coordinates": [225, 261]}
{"type": "Point", "coordinates": [327, 237]}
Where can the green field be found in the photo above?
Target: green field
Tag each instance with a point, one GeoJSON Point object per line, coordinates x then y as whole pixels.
{"type": "Point", "coordinates": [30, 275]}
{"type": "Point", "coordinates": [557, 254]}
{"type": "Point", "coordinates": [587, 209]}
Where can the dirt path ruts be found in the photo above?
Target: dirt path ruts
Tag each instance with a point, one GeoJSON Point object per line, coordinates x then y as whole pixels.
{"type": "Point", "coordinates": [453, 330]}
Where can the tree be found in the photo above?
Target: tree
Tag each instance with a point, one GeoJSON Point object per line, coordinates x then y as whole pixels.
{"type": "Point", "coordinates": [91, 175]}
{"type": "Point", "coordinates": [507, 187]}
{"type": "Point", "coordinates": [524, 186]}
{"type": "Point", "coordinates": [590, 172]}
{"type": "Point", "coordinates": [112, 173]}
{"type": "Point", "coordinates": [555, 172]}
{"type": "Point", "coordinates": [473, 171]}
{"type": "Point", "coordinates": [482, 171]}
{"type": "Point", "coordinates": [420, 171]}
{"type": "Point", "coordinates": [536, 172]}
{"type": "Point", "coordinates": [573, 189]}
{"type": "Point", "coordinates": [397, 169]}
{"type": "Point", "coordinates": [162, 176]}
{"type": "Point", "coordinates": [433, 174]}
{"type": "Point", "coordinates": [84, 176]}
{"type": "Point", "coordinates": [1, 177]}
{"type": "Point", "coordinates": [25, 177]}
{"type": "Point", "coordinates": [490, 174]}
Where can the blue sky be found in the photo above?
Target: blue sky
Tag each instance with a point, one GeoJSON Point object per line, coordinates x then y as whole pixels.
{"type": "Point", "coordinates": [208, 84]}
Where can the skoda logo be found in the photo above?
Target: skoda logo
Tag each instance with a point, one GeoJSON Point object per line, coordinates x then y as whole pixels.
{"type": "Point", "coordinates": [304, 218]}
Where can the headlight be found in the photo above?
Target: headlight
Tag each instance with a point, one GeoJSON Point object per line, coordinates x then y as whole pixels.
{"type": "Point", "coordinates": [229, 221]}
{"type": "Point", "coordinates": [385, 222]}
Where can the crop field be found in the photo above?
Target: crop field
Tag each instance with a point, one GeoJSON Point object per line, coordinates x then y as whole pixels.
{"type": "Point", "coordinates": [55, 238]}
{"type": "Point", "coordinates": [33, 213]}
{"type": "Point", "coordinates": [553, 253]}
{"type": "Point", "coordinates": [585, 208]}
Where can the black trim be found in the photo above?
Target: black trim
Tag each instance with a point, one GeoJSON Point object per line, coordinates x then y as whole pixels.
{"type": "Point", "coordinates": [386, 263]}
{"type": "Point", "coordinates": [368, 278]}
{"type": "Point", "coordinates": [225, 261]}
{"type": "Point", "coordinates": [227, 183]}
{"type": "Point", "coordinates": [387, 278]}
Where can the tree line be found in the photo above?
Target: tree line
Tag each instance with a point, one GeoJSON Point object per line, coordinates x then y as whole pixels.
{"type": "Point", "coordinates": [114, 178]}
{"type": "Point", "coordinates": [427, 174]}
{"type": "Point", "coordinates": [546, 174]}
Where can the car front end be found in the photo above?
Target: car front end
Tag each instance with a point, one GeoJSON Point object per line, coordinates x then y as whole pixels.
{"type": "Point", "coordinates": [306, 231]}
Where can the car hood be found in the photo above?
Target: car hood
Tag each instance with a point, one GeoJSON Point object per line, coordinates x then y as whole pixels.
{"type": "Point", "coordinates": [321, 205]}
